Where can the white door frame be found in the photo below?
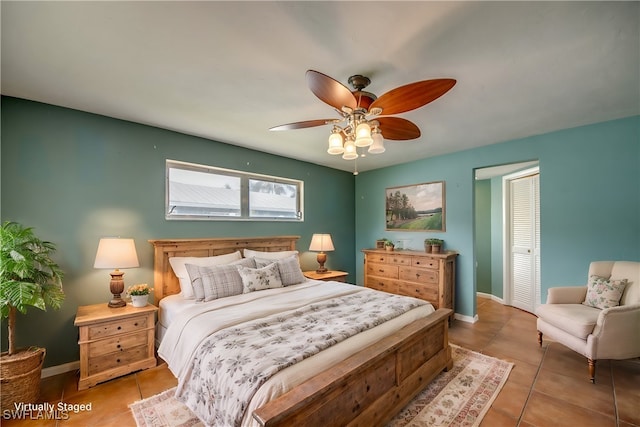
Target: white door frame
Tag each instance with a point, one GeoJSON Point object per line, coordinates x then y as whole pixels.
{"type": "Point", "coordinates": [506, 229]}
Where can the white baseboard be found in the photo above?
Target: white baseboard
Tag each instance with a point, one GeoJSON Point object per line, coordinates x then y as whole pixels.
{"type": "Point", "coordinates": [489, 296]}
{"type": "Point", "coordinates": [60, 369]}
{"type": "Point", "coordinates": [464, 318]}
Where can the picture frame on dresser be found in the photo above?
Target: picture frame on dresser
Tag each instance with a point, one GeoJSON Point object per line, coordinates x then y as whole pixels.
{"type": "Point", "coordinates": [417, 207]}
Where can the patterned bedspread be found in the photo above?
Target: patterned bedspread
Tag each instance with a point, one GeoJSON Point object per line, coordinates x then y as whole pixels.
{"type": "Point", "coordinates": [232, 363]}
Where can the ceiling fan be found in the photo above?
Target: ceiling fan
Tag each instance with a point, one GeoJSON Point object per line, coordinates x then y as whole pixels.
{"type": "Point", "coordinates": [366, 118]}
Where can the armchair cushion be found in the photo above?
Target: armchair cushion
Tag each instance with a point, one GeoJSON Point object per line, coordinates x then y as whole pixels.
{"type": "Point", "coordinates": [576, 319]}
{"type": "Point", "coordinates": [604, 293]}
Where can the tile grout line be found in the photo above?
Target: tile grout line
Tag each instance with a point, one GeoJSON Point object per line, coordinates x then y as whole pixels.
{"type": "Point", "coordinates": [615, 399]}
{"type": "Point", "coordinates": [535, 378]}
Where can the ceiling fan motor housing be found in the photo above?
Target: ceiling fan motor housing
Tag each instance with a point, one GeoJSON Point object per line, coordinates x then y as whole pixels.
{"type": "Point", "coordinates": [359, 82]}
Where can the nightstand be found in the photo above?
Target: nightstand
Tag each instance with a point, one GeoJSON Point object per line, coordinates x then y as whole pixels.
{"type": "Point", "coordinates": [335, 275]}
{"type": "Point", "coordinates": [114, 341]}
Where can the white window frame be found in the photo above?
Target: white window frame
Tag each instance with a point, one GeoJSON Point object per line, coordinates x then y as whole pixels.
{"type": "Point", "coordinates": [245, 208]}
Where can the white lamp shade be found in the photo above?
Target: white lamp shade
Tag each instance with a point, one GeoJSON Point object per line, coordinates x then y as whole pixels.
{"type": "Point", "coordinates": [378, 144]}
{"type": "Point", "coordinates": [321, 242]}
{"type": "Point", "coordinates": [363, 135]}
{"type": "Point", "coordinates": [335, 144]}
{"type": "Point", "coordinates": [116, 253]}
{"type": "Point", "coordinates": [350, 152]}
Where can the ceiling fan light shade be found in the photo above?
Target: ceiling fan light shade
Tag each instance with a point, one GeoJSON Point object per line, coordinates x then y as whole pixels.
{"type": "Point", "coordinates": [335, 144]}
{"type": "Point", "coordinates": [363, 135]}
{"type": "Point", "coordinates": [350, 151]}
{"type": "Point", "coordinates": [378, 144]}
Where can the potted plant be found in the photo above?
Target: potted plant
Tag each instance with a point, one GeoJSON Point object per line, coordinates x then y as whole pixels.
{"type": "Point", "coordinates": [436, 245]}
{"type": "Point", "coordinates": [139, 294]}
{"type": "Point", "coordinates": [388, 245]}
{"type": "Point", "coordinates": [28, 278]}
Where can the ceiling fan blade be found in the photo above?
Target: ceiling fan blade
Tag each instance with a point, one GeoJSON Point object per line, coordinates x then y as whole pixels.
{"type": "Point", "coordinates": [305, 124]}
{"type": "Point", "coordinates": [414, 95]}
{"type": "Point", "coordinates": [330, 91]}
{"type": "Point", "coordinates": [398, 129]}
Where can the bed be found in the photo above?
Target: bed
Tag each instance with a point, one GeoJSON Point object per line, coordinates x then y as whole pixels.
{"type": "Point", "coordinates": [366, 387]}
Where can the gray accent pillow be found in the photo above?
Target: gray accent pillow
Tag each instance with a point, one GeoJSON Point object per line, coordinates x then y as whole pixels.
{"type": "Point", "coordinates": [218, 281]}
{"type": "Point", "coordinates": [289, 268]}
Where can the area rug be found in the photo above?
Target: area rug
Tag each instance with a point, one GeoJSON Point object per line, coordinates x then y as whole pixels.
{"type": "Point", "coordinates": [457, 398]}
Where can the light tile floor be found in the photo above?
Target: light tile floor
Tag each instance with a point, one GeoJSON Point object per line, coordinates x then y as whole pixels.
{"type": "Point", "coordinates": [548, 386]}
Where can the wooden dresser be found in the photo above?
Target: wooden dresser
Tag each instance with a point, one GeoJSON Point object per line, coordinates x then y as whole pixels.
{"type": "Point", "coordinates": [431, 277]}
{"type": "Point", "coordinates": [114, 341]}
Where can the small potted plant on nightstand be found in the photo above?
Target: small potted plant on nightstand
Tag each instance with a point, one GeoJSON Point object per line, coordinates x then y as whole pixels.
{"type": "Point", "coordinates": [139, 294]}
{"type": "Point", "coordinates": [28, 278]}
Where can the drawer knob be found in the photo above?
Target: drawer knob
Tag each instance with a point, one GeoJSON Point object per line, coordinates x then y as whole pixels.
{"type": "Point", "coordinates": [118, 360]}
{"type": "Point", "coordinates": [118, 346]}
{"type": "Point", "coordinates": [417, 275]}
{"type": "Point", "coordinates": [119, 327]}
{"type": "Point", "coordinates": [135, 324]}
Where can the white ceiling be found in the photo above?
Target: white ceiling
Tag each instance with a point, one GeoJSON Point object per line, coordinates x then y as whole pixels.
{"type": "Point", "coordinates": [228, 71]}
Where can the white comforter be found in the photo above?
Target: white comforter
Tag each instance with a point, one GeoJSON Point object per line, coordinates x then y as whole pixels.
{"type": "Point", "coordinates": [189, 329]}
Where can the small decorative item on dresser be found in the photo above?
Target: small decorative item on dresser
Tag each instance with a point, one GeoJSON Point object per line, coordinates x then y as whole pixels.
{"type": "Point", "coordinates": [433, 245]}
{"type": "Point", "coordinates": [389, 246]}
{"type": "Point", "coordinates": [139, 294]}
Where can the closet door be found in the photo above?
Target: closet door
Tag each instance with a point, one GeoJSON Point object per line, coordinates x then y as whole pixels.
{"type": "Point", "coordinates": [525, 242]}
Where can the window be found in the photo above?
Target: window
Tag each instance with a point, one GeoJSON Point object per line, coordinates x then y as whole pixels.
{"type": "Point", "coordinates": [205, 192]}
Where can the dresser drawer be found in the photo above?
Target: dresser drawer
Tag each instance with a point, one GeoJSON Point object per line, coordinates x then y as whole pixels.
{"type": "Point", "coordinates": [115, 360]}
{"type": "Point", "coordinates": [380, 284]}
{"type": "Point", "coordinates": [425, 292]}
{"type": "Point", "coordinates": [116, 327]}
{"type": "Point", "coordinates": [117, 343]}
{"type": "Point", "coordinates": [398, 259]}
{"type": "Point", "coordinates": [426, 263]}
{"type": "Point", "coordinates": [420, 275]}
{"type": "Point", "coordinates": [382, 270]}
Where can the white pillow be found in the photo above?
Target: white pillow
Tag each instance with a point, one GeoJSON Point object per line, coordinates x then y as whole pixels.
{"type": "Point", "coordinates": [290, 272]}
{"type": "Point", "coordinates": [248, 253]}
{"type": "Point", "coordinates": [217, 281]}
{"type": "Point", "coordinates": [258, 279]}
{"type": "Point", "coordinates": [178, 266]}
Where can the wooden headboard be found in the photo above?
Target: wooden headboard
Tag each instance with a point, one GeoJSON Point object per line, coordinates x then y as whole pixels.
{"type": "Point", "coordinates": [166, 283]}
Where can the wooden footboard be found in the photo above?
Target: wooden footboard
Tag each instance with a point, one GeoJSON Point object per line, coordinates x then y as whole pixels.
{"type": "Point", "coordinates": [370, 387]}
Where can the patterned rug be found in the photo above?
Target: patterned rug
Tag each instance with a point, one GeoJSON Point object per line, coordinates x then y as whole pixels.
{"type": "Point", "coordinates": [457, 398]}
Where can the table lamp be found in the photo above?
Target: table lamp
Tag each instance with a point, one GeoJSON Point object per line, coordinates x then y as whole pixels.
{"type": "Point", "coordinates": [116, 253]}
{"type": "Point", "coordinates": [322, 243]}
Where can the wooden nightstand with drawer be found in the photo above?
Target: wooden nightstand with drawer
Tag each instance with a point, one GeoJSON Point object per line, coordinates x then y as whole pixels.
{"type": "Point", "coordinates": [114, 341]}
{"type": "Point", "coordinates": [330, 275]}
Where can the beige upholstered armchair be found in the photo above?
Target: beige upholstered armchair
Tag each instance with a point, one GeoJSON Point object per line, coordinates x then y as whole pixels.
{"type": "Point", "coordinates": [588, 319]}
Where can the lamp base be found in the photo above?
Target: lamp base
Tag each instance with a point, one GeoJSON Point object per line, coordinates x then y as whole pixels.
{"type": "Point", "coordinates": [116, 286]}
{"type": "Point", "coordinates": [117, 302]}
{"type": "Point", "coordinates": [321, 258]}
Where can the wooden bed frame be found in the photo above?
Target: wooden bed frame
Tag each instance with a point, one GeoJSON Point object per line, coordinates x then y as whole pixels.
{"type": "Point", "coordinates": [366, 389]}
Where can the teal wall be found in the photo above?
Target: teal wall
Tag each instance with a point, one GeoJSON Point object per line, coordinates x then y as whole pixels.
{"type": "Point", "coordinates": [483, 236]}
{"type": "Point", "coordinates": [76, 177]}
{"type": "Point", "coordinates": [590, 201]}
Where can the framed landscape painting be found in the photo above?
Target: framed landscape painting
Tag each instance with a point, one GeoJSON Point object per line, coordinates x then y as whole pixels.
{"type": "Point", "coordinates": [418, 207]}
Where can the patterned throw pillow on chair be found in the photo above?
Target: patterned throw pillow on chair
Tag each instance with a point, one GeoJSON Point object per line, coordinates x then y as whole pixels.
{"type": "Point", "coordinates": [604, 293]}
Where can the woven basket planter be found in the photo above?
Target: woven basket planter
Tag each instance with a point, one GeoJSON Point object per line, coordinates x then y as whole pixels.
{"type": "Point", "coordinates": [20, 376]}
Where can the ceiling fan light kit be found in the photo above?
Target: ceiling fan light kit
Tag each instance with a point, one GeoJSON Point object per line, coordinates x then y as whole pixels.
{"type": "Point", "coordinates": [366, 118]}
